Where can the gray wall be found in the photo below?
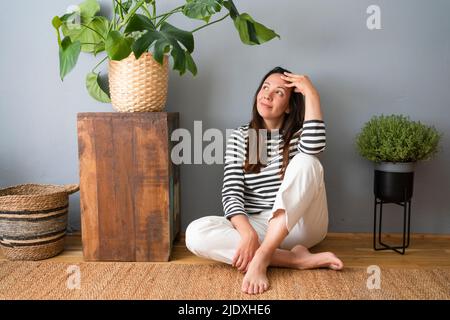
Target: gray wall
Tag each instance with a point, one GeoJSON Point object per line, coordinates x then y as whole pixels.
{"type": "Point", "coordinates": [403, 68]}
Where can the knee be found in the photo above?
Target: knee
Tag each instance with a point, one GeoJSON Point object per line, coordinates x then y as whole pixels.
{"type": "Point", "coordinates": [306, 165]}
{"type": "Point", "coordinates": [196, 233]}
{"type": "Point", "coordinates": [303, 161]}
{"type": "Point", "coordinates": [192, 235]}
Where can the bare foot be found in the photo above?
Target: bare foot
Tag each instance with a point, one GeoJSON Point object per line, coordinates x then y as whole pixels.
{"type": "Point", "coordinates": [308, 260]}
{"type": "Point", "coordinates": [255, 280]}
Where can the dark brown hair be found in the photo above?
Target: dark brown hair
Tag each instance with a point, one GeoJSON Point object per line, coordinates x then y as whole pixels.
{"type": "Point", "coordinates": [292, 123]}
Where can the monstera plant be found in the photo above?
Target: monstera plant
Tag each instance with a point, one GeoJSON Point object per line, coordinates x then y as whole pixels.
{"type": "Point", "coordinates": [135, 27]}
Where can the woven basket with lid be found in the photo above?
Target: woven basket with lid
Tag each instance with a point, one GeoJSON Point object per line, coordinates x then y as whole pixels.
{"type": "Point", "coordinates": [138, 85]}
{"type": "Point", "coordinates": [33, 220]}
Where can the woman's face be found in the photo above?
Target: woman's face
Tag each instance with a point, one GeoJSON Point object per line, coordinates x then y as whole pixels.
{"type": "Point", "coordinates": [273, 98]}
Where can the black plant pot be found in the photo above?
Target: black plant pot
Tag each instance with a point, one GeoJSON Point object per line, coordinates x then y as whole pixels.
{"type": "Point", "coordinates": [393, 186]}
{"type": "Point", "coordinates": [394, 182]}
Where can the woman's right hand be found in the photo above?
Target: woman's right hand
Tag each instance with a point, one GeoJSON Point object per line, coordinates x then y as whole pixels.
{"type": "Point", "coordinates": [246, 250]}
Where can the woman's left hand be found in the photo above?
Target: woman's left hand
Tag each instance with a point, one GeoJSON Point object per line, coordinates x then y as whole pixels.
{"type": "Point", "coordinates": [301, 83]}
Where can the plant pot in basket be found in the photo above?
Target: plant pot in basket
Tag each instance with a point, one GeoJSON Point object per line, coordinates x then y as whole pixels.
{"type": "Point", "coordinates": [133, 31]}
{"type": "Point", "coordinates": [138, 85]}
{"type": "Point", "coordinates": [33, 220]}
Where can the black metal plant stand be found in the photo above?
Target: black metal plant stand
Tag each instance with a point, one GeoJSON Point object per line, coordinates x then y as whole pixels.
{"type": "Point", "coordinates": [406, 226]}
{"type": "Point", "coordinates": [396, 188]}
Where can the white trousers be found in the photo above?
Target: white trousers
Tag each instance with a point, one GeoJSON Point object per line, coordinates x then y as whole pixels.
{"type": "Point", "coordinates": [302, 195]}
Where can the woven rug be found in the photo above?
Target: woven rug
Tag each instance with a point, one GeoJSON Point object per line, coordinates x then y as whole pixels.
{"type": "Point", "coordinates": [126, 280]}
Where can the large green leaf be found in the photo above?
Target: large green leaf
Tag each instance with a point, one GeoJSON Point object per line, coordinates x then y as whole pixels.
{"type": "Point", "coordinates": [202, 9]}
{"type": "Point", "coordinates": [88, 9]}
{"type": "Point", "coordinates": [252, 32]}
{"type": "Point", "coordinates": [167, 39]}
{"type": "Point", "coordinates": [94, 89]}
{"type": "Point", "coordinates": [161, 47]}
{"type": "Point", "coordinates": [139, 22]}
{"type": "Point", "coordinates": [190, 64]}
{"type": "Point", "coordinates": [68, 56]}
{"type": "Point", "coordinates": [174, 34]}
{"type": "Point", "coordinates": [167, 32]}
{"type": "Point", "coordinates": [92, 36]}
{"type": "Point", "coordinates": [231, 8]}
{"type": "Point", "coordinates": [118, 47]}
{"type": "Point", "coordinates": [82, 25]}
{"type": "Point", "coordinates": [82, 14]}
{"type": "Point", "coordinates": [70, 21]}
{"type": "Point", "coordinates": [143, 44]}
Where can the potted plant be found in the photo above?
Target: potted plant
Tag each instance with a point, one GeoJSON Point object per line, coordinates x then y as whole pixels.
{"type": "Point", "coordinates": [395, 143]}
{"type": "Point", "coordinates": [138, 42]}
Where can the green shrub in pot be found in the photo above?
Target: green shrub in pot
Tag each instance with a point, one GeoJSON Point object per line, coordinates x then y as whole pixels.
{"type": "Point", "coordinates": [395, 143]}
{"type": "Point", "coordinates": [396, 138]}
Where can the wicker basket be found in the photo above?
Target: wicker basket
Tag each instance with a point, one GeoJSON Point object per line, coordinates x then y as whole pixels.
{"type": "Point", "coordinates": [138, 85]}
{"type": "Point", "coordinates": [33, 220]}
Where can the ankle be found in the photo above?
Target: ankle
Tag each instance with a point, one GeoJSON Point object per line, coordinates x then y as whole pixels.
{"type": "Point", "coordinates": [264, 255]}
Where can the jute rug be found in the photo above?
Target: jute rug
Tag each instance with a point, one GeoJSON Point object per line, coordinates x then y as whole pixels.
{"type": "Point", "coordinates": [52, 280]}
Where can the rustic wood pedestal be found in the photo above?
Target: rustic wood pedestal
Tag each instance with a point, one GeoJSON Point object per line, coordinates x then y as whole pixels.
{"type": "Point", "coordinates": [129, 187]}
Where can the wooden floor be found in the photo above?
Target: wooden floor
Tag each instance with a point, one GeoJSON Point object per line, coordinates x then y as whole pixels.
{"type": "Point", "coordinates": [355, 250]}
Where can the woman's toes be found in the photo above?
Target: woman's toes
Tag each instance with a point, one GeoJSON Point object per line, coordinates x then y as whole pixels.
{"type": "Point", "coordinates": [261, 288]}
{"type": "Point", "coordinates": [336, 264]}
{"type": "Point", "coordinates": [256, 289]}
{"type": "Point", "coordinates": [253, 289]}
{"type": "Point", "coordinates": [245, 286]}
{"type": "Point", "coordinates": [249, 289]}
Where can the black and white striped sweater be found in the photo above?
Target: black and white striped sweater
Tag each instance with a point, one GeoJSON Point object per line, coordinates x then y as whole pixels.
{"type": "Point", "coordinates": [250, 193]}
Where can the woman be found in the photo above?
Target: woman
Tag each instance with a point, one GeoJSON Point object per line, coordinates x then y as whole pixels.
{"type": "Point", "coordinates": [276, 210]}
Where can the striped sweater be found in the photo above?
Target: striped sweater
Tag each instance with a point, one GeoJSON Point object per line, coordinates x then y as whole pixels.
{"type": "Point", "coordinates": [250, 193]}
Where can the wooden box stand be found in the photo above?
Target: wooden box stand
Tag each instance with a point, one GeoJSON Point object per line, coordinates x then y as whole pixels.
{"type": "Point", "coordinates": [129, 187]}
